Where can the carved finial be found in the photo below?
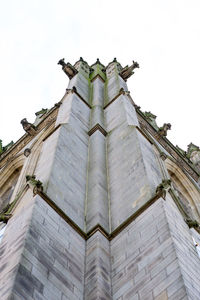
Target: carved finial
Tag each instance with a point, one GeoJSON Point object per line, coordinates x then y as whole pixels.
{"type": "Point", "coordinates": [74, 89]}
{"type": "Point", "coordinates": [81, 59]}
{"type": "Point", "coordinates": [36, 185]}
{"type": "Point", "coordinates": [62, 62]}
{"type": "Point", "coordinates": [28, 127]}
{"type": "Point", "coordinates": [115, 60]}
{"type": "Point", "coordinates": [98, 61]}
{"type": "Point", "coordinates": [163, 187]}
{"type": "Point", "coordinates": [128, 71]}
{"type": "Point", "coordinates": [163, 130]}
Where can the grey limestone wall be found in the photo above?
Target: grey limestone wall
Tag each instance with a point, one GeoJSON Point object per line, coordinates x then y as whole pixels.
{"type": "Point", "coordinates": [65, 155]}
{"type": "Point", "coordinates": [97, 270]}
{"type": "Point", "coordinates": [51, 265]}
{"type": "Point", "coordinates": [145, 263]}
{"type": "Point", "coordinates": [114, 82]}
{"type": "Point", "coordinates": [133, 171]}
{"type": "Point", "coordinates": [12, 244]}
{"type": "Point", "coordinates": [188, 258]}
{"type": "Point", "coordinates": [82, 85]}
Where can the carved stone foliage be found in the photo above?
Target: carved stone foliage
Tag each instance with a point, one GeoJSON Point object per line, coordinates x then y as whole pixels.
{"type": "Point", "coordinates": [4, 148]}
{"type": "Point", "coordinates": [128, 71]}
{"type": "Point", "coordinates": [192, 223]}
{"type": "Point", "coordinates": [35, 184]}
{"type": "Point", "coordinates": [151, 118]}
{"type": "Point", "coordinates": [69, 70]}
{"type": "Point", "coordinates": [41, 112]}
{"type": "Point", "coordinates": [163, 187]}
{"type": "Point", "coordinates": [28, 127]}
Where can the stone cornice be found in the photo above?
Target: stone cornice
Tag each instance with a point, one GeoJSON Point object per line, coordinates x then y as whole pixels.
{"type": "Point", "coordinates": [121, 92]}
{"type": "Point", "coordinates": [98, 227]}
{"type": "Point", "coordinates": [97, 76]}
{"type": "Point", "coordinates": [95, 128]}
{"type": "Point", "coordinates": [74, 90]}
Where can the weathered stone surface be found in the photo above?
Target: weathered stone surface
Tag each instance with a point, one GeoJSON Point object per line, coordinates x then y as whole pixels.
{"type": "Point", "coordinates": [97, 272]}
{"type": "Point", "coordinates": [98, 167]}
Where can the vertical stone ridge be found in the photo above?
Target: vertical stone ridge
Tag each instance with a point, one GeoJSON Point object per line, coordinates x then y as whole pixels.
{"type": "Point", "coordinates": [67, 150]}
{"type": "Point", "coordinates": [97, 195]}
{"type": "Point", "coordinates": [97, 275]}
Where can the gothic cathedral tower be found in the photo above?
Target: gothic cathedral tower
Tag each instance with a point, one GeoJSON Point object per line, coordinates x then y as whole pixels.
{"type": "Point", "coordinates": [95, 202]}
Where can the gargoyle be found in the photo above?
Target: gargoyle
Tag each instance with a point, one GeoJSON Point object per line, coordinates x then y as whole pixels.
{"type": "Point", "coordinates": [128, 71]}
{"type": "Point", "coordinates": [36, 185]}
{"type": "Point", "coordinates": [163, 187]}
{"type": "Point", "coordinates": [28, 127]}
{"type": "Point", "coordinates": [163, 130]}
{"type": "Point", "coordinates": [69, 70]}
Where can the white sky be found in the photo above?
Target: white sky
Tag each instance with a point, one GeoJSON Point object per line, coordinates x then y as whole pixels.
{"type": "Point", "coordinates": [162, 36]}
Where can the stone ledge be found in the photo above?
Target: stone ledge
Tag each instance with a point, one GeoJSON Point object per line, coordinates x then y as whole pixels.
{"type": "Point", "coordinates": [95, 128]}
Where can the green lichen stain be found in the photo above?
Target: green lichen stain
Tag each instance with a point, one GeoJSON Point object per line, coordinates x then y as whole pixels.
{"type": "Point", "coordinates": [98, 71]}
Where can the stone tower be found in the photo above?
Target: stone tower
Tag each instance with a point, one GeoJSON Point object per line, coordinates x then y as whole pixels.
{"type": "Point", "coordinates": [95, 202]}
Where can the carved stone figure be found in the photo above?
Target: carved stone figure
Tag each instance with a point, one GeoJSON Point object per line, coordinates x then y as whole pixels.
{"type": "Point", "coordinates": [69, 70]}
{"type": "Point", "coordinates": [163, 130]}
{"type": "Point", "coordinates": [27, 152]}
{"type": "Point", "coordinates": [35, 184]}
{"type": "Point", "coordinates": [163, 187]}
{"type": "Point", "coordinates": [128, 71]}
{"type": "Point", "coordinates": [28, 127]}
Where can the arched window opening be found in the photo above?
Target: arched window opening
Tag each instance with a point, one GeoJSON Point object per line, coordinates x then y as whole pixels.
{"type": "Point", "coordinates": [183, 192]}
{"type": "Point", "coordinates": [7, 189]}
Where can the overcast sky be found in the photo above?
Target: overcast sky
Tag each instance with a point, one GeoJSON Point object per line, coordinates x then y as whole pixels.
{"type": "Point", "coordinates": [162, 36]}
